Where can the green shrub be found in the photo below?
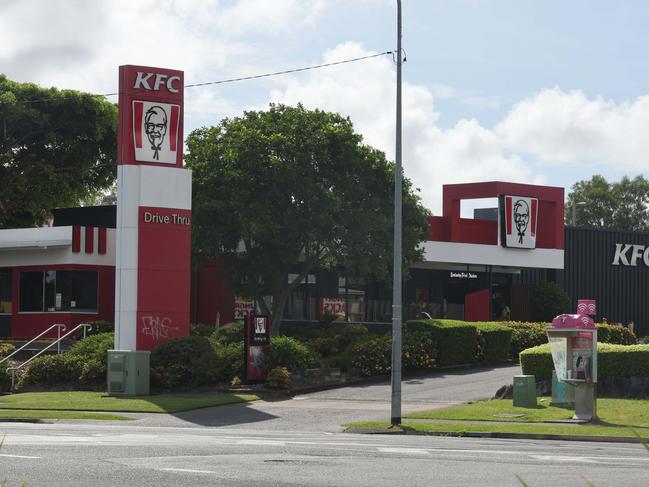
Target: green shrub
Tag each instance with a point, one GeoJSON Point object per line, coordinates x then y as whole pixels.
{"type": "Point", "coordinates": [93, 372]}
{"type": "Point", "coordinates": [201, 330]}
{"type": "Point", "coordinates": [228, 333]}
{"type": "Point", "coordinates": [171, 376]}
{"type": "Point", "coordinates": [526, 335]}
{"type": "Point", "coordinates": [6, 349]}
{"type": "Point", "coordinates": [98, 326]}
{"type": "Point", "coordinates": [493, 342]}
{"type": "Point", "coordinates": [53, 370]}
{"type": "Point", "coordinates": [278, 378]}
{"type": "Point", "coordinates": [5, 378]}
{"type": "Point", "coordinates": [456, 340]}
{"type": "Point", "coordinates": [612, 361]}
{"type": "Point", "coordinates": [547, 300]}
{"type": "Point", "coordinates": [194, 353]}
{"type": "Point", "coordinates": [419, 351]}
{"type": "Point", "coordinates": [288, 352]}
{"type": "Point", "coordinates": [374, 357]}
{"type": "Point", "coordinates": [353, 332]}
{"type": "Point", "coordinates": [325, 346]}
{"type": "Point", "coordinates": [615, 334]}
{"type": "Point", "coordinates": [94, 347]}
{"type": "Point", "coordinates": [229, 360]}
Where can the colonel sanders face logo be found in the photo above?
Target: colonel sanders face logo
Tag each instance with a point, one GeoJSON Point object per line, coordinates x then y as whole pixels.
{"type": "Point", "coordinates": [521, 218]}
{"type": "Point", "coordinates": [155, 126]}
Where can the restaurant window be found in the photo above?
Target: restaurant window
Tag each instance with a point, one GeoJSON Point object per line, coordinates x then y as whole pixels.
{"type": "Point", "coordinates": [59, 291]}
{"type": "Point", "coordinates": [5, 291]}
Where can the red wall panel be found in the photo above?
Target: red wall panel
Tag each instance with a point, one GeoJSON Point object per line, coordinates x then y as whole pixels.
{"type": "Point", "coordinates": [476, 306]}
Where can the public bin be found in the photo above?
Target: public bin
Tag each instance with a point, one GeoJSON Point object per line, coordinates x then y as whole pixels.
{"type": "Point", "coordinates": [524, 391]}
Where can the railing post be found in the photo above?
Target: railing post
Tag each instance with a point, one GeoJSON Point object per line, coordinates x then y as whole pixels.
{"type": "Point", "coordinates": [58, 340]}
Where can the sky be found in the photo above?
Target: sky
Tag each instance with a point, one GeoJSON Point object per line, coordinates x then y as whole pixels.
{"type": "Point", "coordinates": [543, 92]}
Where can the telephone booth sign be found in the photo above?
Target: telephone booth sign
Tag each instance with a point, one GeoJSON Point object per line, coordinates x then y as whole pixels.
{"type": "Point", "coordinates": [573, 344]}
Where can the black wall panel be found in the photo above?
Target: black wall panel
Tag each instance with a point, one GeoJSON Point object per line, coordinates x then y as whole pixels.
{"type": "Point", "coordinates": [622, 292]}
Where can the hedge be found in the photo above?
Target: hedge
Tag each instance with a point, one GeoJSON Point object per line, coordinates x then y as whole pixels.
{"type": "Point", "coordinates": [612, 361]}
{"type": "Point", "coordinates": [494, 342]}
{"type": "Point", "coordinates": [456, 341]}
{"type": "Point", "coordinates": [528, 335]}
{"type": "Point", "coordinates": [419, 352]}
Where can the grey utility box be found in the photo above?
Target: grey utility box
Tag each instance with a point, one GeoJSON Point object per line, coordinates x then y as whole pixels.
{"type": "Point", "coordinates": [128, 372]}
{"type": "Point", "coordinates": [524, 391]}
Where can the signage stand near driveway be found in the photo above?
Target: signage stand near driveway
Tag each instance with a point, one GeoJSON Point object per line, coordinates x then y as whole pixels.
{"type": "Point", "coordinates": [256, 348]}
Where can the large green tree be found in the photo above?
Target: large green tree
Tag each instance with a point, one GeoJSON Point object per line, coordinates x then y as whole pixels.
{"type": "Point", "coordinates": [622, 205]}
{"type": "Point", "coordinates": [290, 190]}
{"type": "Point", "coordinates": [56, 148]}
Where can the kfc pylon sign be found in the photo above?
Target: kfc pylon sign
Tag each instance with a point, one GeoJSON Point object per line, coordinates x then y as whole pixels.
{"type": "Point", "coordinates": [151, 116]}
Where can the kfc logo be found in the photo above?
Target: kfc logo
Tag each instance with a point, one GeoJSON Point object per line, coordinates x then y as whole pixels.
{"type": "Point", "coordinates": [518, 221]}
{"type": "Point", "coordinates": [143, 80]}
{"type": "Point", "coordinates": [155, 131]}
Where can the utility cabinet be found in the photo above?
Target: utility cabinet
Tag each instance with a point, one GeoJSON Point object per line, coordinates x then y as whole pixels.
{"type": "Point", "coordinates": [128, 372]}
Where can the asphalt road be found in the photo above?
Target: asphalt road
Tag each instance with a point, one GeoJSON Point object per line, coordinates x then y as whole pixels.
{"type": "Point", "coordinates": [108, 455]}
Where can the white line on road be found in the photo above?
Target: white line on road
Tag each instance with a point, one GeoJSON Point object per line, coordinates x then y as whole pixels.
{"type": "Point", "coordinates": [186, 470]}
{"type": "Point", "coordinates": [405, 451]}
{"type": "Point", "coordinates": [16, 456]}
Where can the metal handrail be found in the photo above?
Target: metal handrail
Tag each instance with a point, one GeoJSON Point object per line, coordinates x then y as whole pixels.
{"type": "Point", "coordinates": [58, 325]}
{"type": "Point", "coordinates": [14, 369]}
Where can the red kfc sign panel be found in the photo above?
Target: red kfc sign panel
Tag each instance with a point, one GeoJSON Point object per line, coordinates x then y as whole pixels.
{"type": "Point", "coordinates": [151, 116]}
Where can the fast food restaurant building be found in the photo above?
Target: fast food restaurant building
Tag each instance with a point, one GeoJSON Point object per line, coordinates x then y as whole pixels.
{"type": "Point", "coordinates": [472, 269]}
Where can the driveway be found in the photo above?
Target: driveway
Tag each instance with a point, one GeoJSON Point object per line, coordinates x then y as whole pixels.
{"type": "Point", "coordinates": [327, 411]}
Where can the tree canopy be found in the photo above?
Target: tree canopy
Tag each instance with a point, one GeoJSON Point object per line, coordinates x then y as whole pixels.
{"type": "Point", "coordinates": [290, 190]}
{"type": "Point", "coordinates": [56, 148]}
{"type": "Point", "coordinates": [623, 205]}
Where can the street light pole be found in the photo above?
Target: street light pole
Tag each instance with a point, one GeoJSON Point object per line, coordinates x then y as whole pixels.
{"type": "Point", "coordinates": [395, 418]}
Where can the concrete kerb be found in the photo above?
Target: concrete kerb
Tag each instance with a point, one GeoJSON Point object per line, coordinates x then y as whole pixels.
{"type": "Point", "coordinates": [511, 436]}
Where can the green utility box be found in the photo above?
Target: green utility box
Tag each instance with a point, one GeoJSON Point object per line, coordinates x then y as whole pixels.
{"type": "Point", "coordinates": [524, 391]}
{"type": "Point", "coordinates": [128, 372]}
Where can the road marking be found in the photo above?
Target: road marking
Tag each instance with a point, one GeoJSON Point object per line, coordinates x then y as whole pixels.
{"type": "Point", "coordinates": [562, 458]}
{"type": "Point", "coordinates": [405, 451]}
{"type": "Point", "coordinates": [262, 442]}
{"type": "Point", "coordinates": [186, 470]}
{"type": "Point", "coordinates": [16, 456]}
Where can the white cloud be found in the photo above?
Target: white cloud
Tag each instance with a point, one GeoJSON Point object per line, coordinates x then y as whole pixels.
{"type": "Point", "coordinates": [553, 127]}
{"type": "Point", "coordinates": [562, 128]}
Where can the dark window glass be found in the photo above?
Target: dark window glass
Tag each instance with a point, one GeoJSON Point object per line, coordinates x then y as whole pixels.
{"type": "Point", "coordinates": [76, 291]}
{"type": "Point", "coordinates": [31, 291]}
{"type": "Point", "coordinates": [50, 291]}
{"type": "Point", "coordinates": [5, 291]}
{"type": "Point", "coordinates": [58, 291]}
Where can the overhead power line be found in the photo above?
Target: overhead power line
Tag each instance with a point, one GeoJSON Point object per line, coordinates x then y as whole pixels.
{"type": "Point", "coordinates": [243, 78]}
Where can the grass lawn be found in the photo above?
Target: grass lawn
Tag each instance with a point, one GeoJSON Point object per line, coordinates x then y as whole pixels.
{"type": "Point", "coordinates": [617, 417]}
{"type": "Point", "coordinates": [612, 412]}
{"type": "Point", "coordinates": [36, 414]}
{"type": "Point", "coordinates": [99, 401]}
